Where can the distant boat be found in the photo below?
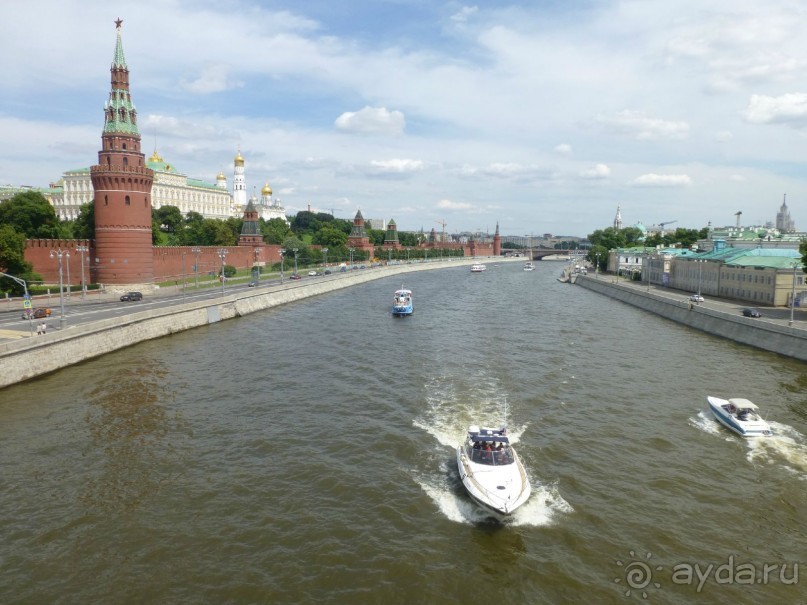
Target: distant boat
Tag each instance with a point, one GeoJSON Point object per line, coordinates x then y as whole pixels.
{"type": "Point", "coordinates": [402, 303]}
{"type": "Point", "coordinates": [529, 266]}
{"type": "Point", "coordinates": [477, 268]}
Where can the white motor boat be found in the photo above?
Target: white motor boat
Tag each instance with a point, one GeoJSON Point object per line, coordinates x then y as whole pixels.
{"type": "Point", "coordinates": [529, 266]}
{"type": "Point", "coordinates": [477, 268]}
{"type": "Point", "coordinates": [740, 416]}
{"type": "Point", "coordinates": [492, 472]}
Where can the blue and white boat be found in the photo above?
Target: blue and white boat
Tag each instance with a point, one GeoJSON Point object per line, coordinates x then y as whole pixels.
{"type": "Point", "coordinates": [739, 415]}
{"type": "Point", "coordinates": [402, 303]}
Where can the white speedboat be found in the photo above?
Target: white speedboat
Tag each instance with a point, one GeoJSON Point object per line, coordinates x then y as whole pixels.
{"type": "Point", "coordinates": [740, 416]}
{"type": "Point", "coordinates": [492, 472]}
{"type": "Point", "coordinates": [402, 303]}
{"type": "Point", "coordinates": [529, 266]}
{"type": "Point", "coordinates": [477, 268]}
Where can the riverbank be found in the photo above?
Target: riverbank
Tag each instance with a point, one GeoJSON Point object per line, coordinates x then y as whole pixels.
{"type": "Point", "coordinates": [714, 317]}
{"type": "Point", "coordinates": [28, 358]}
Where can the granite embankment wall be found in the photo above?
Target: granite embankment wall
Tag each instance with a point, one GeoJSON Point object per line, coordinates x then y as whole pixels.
{"type": "Point", "coordinates": [770, 336]}
{"type": "Point", "coordinates": [31, 357]}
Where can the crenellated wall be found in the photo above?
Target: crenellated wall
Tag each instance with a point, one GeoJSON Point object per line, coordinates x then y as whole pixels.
{"type": "Point", "coordinates": [169, 262]}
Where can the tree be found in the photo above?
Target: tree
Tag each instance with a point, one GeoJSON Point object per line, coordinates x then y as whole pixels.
{"type": "Point", "coordinates": [169, 219]}
{"type": "Point", "coordinates": [274, 230]}
{"type": "Point", "coordinates": [12, 260]}
{"type": "Point", "coordinates": [31, 214]}
{"type": "Point", "coordinates": [84, 223]}
{"type": "Point", "coordinates": [803, 250]}
{"type": "Point", "coordinates": [376, 236]}
{"type": "Point", "coordinates": [330, 237]}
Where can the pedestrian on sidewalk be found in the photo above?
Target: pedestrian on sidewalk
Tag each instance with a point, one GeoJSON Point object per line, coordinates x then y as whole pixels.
{"type": "Point", "coordinates": [39, 329]}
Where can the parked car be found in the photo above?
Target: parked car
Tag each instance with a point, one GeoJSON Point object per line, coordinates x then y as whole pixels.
{"type": "Point", "coordinates": [312, 273]}
{"type": "Point", "coordinates": [295, 276]}
{"type": "Point", "coordinates": [37, 313]}
{"type": "Point", "coordinates": [748, 312]}
{"type": "Point", "coordinates": [252, 284]}
{"type": "Point", "coordinates": [132, 296]}
{"type": "Point", "coordinates": [696, 298]}
{"type": "Point", "coordinates": [327, 271]}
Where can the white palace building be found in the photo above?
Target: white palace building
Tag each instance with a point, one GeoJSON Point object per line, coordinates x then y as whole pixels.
{"type": "Point", "coordinates": [172, 188]}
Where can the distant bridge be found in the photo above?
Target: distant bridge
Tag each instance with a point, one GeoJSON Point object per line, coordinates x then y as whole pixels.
{"type": "Point", "coordinates": [541, 253]}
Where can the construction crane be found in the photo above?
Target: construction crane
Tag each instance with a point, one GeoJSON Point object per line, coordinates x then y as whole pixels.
{"type": "Point", "coordinates": [443, 223]}
{"type": "Point", "coordinates": [738, 215]}
{"type": "Point", "coordinates": [663, 224]}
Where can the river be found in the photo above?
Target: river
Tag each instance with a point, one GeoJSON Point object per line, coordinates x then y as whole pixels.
{"type": "Point", "coordinates": [305, 454]}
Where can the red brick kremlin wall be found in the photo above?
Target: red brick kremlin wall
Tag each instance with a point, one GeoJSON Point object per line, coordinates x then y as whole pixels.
{"type": "Point", "coordinates": [167, 261]}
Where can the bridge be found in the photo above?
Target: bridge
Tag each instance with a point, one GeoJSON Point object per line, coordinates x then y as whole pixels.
{"type": "Point", "coordinates": [541, 253]}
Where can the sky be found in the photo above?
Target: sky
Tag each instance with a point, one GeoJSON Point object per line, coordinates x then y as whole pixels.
{"type": "Point", "coordinates": [541, 116]}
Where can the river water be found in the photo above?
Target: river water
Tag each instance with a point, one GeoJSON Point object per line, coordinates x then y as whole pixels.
{"type": "Point", "coordinates": [305, 454]}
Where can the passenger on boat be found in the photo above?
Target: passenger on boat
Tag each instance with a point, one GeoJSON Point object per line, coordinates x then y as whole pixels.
{"type": "Point", "coordinates": [477, 445]}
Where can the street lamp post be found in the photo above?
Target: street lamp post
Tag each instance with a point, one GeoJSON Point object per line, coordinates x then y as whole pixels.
{"type": "Point", "coordinates": [196, 253]}
{"type": "Point", "coordinates": [597, 267]}
{"type": "Point", "coordinates": [222, 252]}
{"type": "Point", "coordinates": [325, 254]}
{"type": "Point", "coordinates": [81, 250]}
{"type": "Point", "coordinates": [295, 259]}
{"type": "Point", "coordinates": [67, 262]}
{"type": "Point", "coordinates": [700, 264]}
{"type": "Point", "coordinates": [183, 275]}
{"type": "Point", "coordinates": [793, 295]}
{"type": "Point", "coordinates": [58, 254]}
{"type": "Point", "coordinates": [282, 258]}
{"type": "Point", "coordinates": [351, 250]}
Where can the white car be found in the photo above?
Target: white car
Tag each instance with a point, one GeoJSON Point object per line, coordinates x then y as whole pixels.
{"type": "Point", "coordinates": [696, 298]}
{"type": "Point", "coordinates": [312, 273]}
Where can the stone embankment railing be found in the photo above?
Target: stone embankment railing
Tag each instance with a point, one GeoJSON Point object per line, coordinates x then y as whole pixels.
{"type": "Point", "coordinates": [28, 358]}
{"type": "Point", "coordinates": [771, 336]}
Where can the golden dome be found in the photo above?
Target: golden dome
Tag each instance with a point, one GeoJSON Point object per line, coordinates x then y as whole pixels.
{"type": "Point", "coordinates": [220, 176]}
{"type": "Point", "coordinates": [239, 160]}
{"type": "Point", "coordinates": [267, 190]}
{"type": "Point", "coordinates": [155, 157]}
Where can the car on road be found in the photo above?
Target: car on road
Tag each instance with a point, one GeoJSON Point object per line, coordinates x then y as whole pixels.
{"type": "Point", "coordinates": [252, 284]}
{"type": "Point", "coordinates": [312, 273]}
{"type": "Point", "coordinates": [327, 271]}
{"type": "Point", "coordinates": [295, 276]}
{"type": "Point", "coordinates": [37, 313]}
{"type": "Point", "coordinates": [132, 296]}
{"type": "Point", "coordinates": [748, 312]}
{"type": "Point", "coordinates": [696, 298]}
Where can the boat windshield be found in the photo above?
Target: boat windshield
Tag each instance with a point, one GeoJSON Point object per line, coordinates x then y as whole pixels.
{"type": "Point", "coordinates": [491, 457]}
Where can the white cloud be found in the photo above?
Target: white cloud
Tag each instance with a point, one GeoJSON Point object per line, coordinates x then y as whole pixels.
{"type": "Point", "coordinates": [450, 205]}
{"type": "Point", "coordinates": [661, 180]}
{"type": "Point", "coordinates": [397, 165]}
{"type": "Point", "coordinates": [723, 136]}
{"type": "Point", "coordinates": [464, 13]}
{"type": "Point", "coordinates": [598, 171]}
{"type": "Point", "coordinates": [636, 124]}
{"type": "Point", "coordinates": [372, 120]}
{"type": "Point", "coordinates": [785, 109]}
{"type": "Point", "coordinates": [563, 149]}
{"type": "Point", "coordinates": [214, 78]}
{"type": "Point", "coordinates": [737, 178]}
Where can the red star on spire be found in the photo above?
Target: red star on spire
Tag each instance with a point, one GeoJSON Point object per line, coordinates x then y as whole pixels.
{"type": "Point", "coordinates": [118, 22]}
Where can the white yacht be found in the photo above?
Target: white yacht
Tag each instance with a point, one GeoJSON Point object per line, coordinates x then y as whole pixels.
{"type": "Point", "coordinates": [740, 416]}
{"type": "Point", "coordinates": [492, 472]}
{"type": "Point", "coordinates": [477, 268]}
{"type": "Point", "coordinates": [529, 266]}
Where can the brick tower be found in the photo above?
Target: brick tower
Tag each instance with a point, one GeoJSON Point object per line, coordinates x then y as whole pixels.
{"type": "Point", "coordinates": [122, 184]}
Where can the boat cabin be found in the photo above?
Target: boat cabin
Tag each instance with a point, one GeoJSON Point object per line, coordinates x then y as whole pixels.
{"type": "Point", "coordinates": [489, 446]}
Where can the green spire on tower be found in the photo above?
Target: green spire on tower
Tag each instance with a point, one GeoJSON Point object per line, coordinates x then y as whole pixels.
{"type": "Point", "coordinates": [119, 61]}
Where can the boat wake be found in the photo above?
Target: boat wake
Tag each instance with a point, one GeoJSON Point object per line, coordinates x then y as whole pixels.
{"type": "Point", "coordinates": [705, 422]}
{"type": "Point", "coordinates": [450, 409]}
{"type": "Point", "coordinates": [786, 447]}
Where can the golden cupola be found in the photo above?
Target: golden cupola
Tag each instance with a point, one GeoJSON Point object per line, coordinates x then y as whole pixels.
{"type": "Point", "coordinates": [267, 190]}
{"type": "Point", "coordinates": [239, 159]}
